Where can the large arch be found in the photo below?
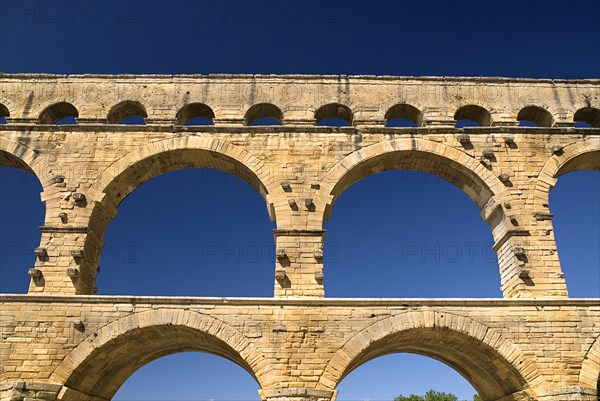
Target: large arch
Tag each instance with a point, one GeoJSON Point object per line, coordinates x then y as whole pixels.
{"type": "Point", "coordinates": [589, 375]}
{"type": "Point", "coordinates": [123, 176]}
{"type": "Point", "coordinates": [102, 362]}
{"type": "Point", "coordinates": [490, 362]}
{"type": "Point", "coordinates": [583, 155]}
{"type": "Point", "coordinates": [451, 164]}
{"type": "Point", "coordinates": [17, 155]}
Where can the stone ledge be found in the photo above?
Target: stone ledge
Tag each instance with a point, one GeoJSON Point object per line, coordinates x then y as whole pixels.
{"type": "Point", "coordinates": [301, 129]}
{"type": "Point", "coordinates": [316, 77]}
{"type": "Point", "coordinates": [314, 302]}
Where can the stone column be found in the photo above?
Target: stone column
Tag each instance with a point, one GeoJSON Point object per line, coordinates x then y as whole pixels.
{"type": "Point", "coordinates": [527, 257]}
{"type": "Point", "coordinates": [66, 261]}
{"type": "Point", "coordinates": [297, 394]}
{"type": "Point", "coordinates": [69, 250]}
{"type": "Point", "coordinates": [299, 263]}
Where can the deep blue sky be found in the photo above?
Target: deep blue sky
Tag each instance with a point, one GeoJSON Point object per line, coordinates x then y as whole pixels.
{"type": "Point", "coordinates": [540, 39]}
{"type": "Point", "coordinates": [553, 39]}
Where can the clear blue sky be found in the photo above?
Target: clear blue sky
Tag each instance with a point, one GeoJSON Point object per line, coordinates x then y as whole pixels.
{"type": "Point", "coordinates": [543, 39]}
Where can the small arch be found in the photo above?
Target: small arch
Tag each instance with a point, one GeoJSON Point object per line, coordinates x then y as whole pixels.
{"type": "Point", "coordinates": [125, 109]}
{"type": "Point", "coordinates": [588, 115]}
{"type": "Point", "coordinates": [472, 113]}
{"type": "Point", "coordinates": [535, 116]}
{"type": "Point", "coordinates": [4, 113]}
{"type": "Point", "coordinates": [329, 113]}
{"type": "Point", "coordinates": [195, 114]}
{"type": "Point", "coordinates": [59, 113]}
{"type": "Point", "coordinates": [402, 115]}
{"type": "Point", "coordinates": [263, 114]}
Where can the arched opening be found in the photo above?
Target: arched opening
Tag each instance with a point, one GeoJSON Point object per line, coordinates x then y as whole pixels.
{"type": "Point", "coordinates": [418, 245]}
{"type": "Point", "coordinates": [335, 115]}
{"type": "Point", "coordinates": [392, 375]}
{"type": "Point", "coordinates": [21, 213]}
{"type": "Point", "coordinates": [208, 198]}
{"type": "Point", "coordinates": [101, 364]}
{"type": "Point", "coordinates": [403, 115]}
{"type": "Point", "coordinates": [495, 369]}
{"type": "Point", "coordinates": [128, 112]}
{"type": "Point", "coordinates": [195, 114]}
{"type": "Point", "coordinates": [448, 164]}
{"type": "Point", "coordinates": [4, 113]}
{"type": "Point", "coordinates": [62, 113]}
{"type": "Point", "coordinates": [263, 114]}
{"type": "Point", "coordinates": [187, 376]}
{"type": "Point", "coordinates": [575, 224]}
{"type": "Point", "coordinates": [194, 244]}
{"type": "Point", "coordinates": [534, 116]}
{"type": "Point", "coordinates": [587, 117]}
{"type": "Point", "coordinates": [472, 116]}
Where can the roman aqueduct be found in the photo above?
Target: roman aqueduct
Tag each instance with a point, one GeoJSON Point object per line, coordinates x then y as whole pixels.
{"type": "Point", "coordinates": [62, 342]}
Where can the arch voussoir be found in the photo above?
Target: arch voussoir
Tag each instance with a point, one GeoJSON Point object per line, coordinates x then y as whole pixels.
{"type": "Point", "coordinates": [487, 342]}
{"type": "Point", "coordinates": [105, 341]}
{"type": "Point", "coordinates": [552, 168]}
{"type": "Point", "coordinates": [589, 375]}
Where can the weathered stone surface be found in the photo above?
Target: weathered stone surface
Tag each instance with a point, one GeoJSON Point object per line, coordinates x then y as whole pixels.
{"type": "Point", "coordinates": [58, 342]}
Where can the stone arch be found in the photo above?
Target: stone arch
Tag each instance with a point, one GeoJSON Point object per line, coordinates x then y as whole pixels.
{"type": "Point", "coordinates": [4, 111]}
{"type": "Point", "coordinates": [590, 115]}
{"type": "Point", "coordinates": [123, 176]}
{"type": "Point", "coordinates": [475, 113]}
{"type": "Point", "coordinates": [489, 361]}
{"type": "Point", "coordinates": [334, 110]}
{"type": "Point", "coordinates": [263, 110]}
{"type": "Point", "coordinates": [54, 112]}
{"type": "Point", "coordinates": [102, 362]}
{"type": "Point", "coordinates": [539, 115]}
{"type": "Point", "coordinates": [194, 110]}
{"type": "Point", "coordinates": [124, 109]}
{"type": "Point", "coordinates": [17, 155]}
{"type": "Point", "coordinates": [583, 155]}
{"type": "Point", "coordinates": [590, 367]}
{"type": "Point", "coordinates": [127, 173]}
{"type": "Point", "coordinates": [405, 111]}
{"type": "Point", "coordinates": [435, 158]}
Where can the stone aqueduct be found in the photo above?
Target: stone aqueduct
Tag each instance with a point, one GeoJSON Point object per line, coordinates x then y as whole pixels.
{"type": "Point", "coordinates": [61, 342]}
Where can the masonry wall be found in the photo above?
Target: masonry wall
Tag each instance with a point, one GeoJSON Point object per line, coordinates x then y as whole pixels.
{"type": "Point", "coordinates": [304, 344]}
{"type": "Point", "coordinates": [537, 344]}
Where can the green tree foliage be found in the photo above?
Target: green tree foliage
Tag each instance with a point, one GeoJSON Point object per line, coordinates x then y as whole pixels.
{"type": "Point", "coordinates": [433, 395]}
